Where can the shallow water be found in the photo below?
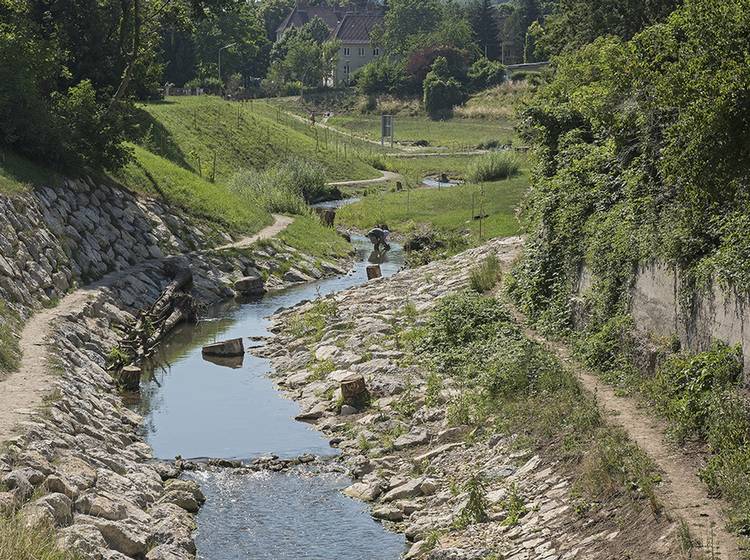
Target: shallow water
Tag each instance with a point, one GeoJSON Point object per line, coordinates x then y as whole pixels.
{"type": "Point", "coordinates": [277, 516]}
{"type": "Point", "coordinates": [334, 204]}
{"type": "Point", "coordinates": [196, 408]}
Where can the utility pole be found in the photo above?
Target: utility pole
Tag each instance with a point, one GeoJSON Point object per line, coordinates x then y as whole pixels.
{"type": "Point", "coordinates": [221, 49]}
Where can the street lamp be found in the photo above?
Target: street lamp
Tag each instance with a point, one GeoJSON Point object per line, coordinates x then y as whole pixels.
{"type": "Point", "coordinates": [221, 49]}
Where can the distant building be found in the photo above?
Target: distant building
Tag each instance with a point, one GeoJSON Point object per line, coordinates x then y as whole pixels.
{"type": "Point", "coordinates": [352, 28]}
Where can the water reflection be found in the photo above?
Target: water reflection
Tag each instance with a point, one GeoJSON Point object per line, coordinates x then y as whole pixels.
{"type": "Point", "coordinates": [198, 408]}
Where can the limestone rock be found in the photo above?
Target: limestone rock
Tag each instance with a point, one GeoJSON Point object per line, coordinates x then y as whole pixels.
{"type": "Point", "coordinates": [366, 492]}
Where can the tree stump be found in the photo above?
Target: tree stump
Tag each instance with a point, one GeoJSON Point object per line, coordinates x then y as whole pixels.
{"type": "Point", "coordinates": [373, 271]}
{"type": "Point", "coordinates": [354, 390]}
{"type": "Point", "coordinates": [129, 378]}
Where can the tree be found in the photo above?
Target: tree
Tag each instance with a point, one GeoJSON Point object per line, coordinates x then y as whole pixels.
{"type": "Point", "coordinates": [482, 16]}
{"type": "Point", "coordinates": [317, 29]}
{"type": "Point", "coordinates": [575, 23]}
{"type": "Point", "coordinates": [407, 20]}
{"type": "Point", "coordinates": [442, 91]}
{"type": "Point", "coordinates": [273, 12]}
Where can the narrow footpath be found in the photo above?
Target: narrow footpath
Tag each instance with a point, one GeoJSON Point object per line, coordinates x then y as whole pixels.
{"type": "Point", "coordinates": [681, 492]}
{"type": "Point", "coordinates": [25, 389]}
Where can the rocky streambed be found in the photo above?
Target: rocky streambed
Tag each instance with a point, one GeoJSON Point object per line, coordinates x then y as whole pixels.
{"type": "Point", "coordinates": [407, 461]}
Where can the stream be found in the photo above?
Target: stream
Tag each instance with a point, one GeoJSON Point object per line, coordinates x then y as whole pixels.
{"type": "Point", "coordinates": [195, 408]}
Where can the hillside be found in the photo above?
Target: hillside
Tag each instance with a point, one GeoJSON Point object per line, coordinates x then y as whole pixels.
{"type": "Point", "coordinates": [191, 131]}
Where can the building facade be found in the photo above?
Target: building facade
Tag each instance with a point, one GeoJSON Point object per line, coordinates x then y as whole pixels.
{"type": "Point", "coordinates": [352, 28]}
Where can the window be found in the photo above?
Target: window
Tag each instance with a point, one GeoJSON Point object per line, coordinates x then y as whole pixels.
{"type": "Point", "coordinates": [346, 70]}
{"type": "Point", "coordinates": [361, 51]}
{"type": "Point", "coordinates": [346, 51]}
{"type": "Point", "coordinates": [376, 52]}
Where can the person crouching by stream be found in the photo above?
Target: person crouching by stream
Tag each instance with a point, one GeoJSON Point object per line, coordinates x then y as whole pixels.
{"type": "Point", "coordinates": [378, 236]}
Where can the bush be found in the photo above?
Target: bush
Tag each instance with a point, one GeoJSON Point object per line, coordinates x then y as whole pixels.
{"type": "Point", "coordinates": [287, 187]}
{"type": "Point", "coordinates": [422, 62]}
{"type": "Point", "coordinates": [485, 276]}
{"type": "Point", "coordinates": [441, 91]}
{"type": "Point", "coordinates": [493, 166]}
{"type": "Point", "coordinates": [383, 76]}
{"type": "Point", "coordinates": [485, 73]}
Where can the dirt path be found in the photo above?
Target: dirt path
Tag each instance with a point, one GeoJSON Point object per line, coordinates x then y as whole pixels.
{"type": "Point", "coordinates": [24, 390]}
{"type": "Point", "coordinates": [682, 493]}
{"type": "Point", "coordinates": [387, 176]}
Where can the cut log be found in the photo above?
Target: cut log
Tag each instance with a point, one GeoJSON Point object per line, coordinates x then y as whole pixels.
{"type": "Point", "coordinates": [234, 347]}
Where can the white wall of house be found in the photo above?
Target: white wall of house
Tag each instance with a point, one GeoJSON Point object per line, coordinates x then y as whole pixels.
{"type": "Point", "coordinates": [352, 57]}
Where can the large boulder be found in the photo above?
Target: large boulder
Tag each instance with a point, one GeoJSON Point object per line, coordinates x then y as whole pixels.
{"type": "Point", "coordinates": [250, 285]}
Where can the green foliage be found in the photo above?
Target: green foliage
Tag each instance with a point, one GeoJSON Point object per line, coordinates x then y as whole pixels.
{"type": "Point", "coordinates": [575, 23]}
{"type": "Point", "coordinates": [10, 352]}
{"type": "Point", "coordinates": [383, 75]}
{"type": "Point", "coordinates": [685, 387]}
{"type": "Point", "coordinates": [514, 506]}
{"type": "Point", "coordinates": [475, 510]}
{"type": "Point", "coordinates": [20, 542]}
{"type": "Point", "coordinates": [442, 92]}
{"type": "Point", "coordinates": [642, 151]}
{"type": "Point", "coordinates": [486, 275]}
{"type": "Point", "coordinates": [494, 166]}
{"type": "Point", "coordinates": [485, 73]}
{"type": "Point", "coordinates": [285, 188]}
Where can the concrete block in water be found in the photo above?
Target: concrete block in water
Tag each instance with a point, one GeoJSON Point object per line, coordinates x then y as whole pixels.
{"type": "Point", "coordinates": [234, 347]}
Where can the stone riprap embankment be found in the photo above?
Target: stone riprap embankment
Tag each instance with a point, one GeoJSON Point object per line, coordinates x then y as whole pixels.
{"type": "Point", "coordinates": [408, 461]}
{"type": "Point", "coordinates": [78, 462]}
{"type": "Point", "coordinates": [54, 238]}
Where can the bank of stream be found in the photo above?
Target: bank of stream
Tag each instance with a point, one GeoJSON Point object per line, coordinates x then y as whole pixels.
{"type": "Point", "coordinates": [195, 409]}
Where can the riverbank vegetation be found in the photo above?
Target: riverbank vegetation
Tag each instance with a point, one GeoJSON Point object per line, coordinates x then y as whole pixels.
{"type": "Point", "coordinates": [641, 142]}
{"type": "Point", "coordinates": [18, 542]}
{"type": "Point", "coordinates": [509, 384]}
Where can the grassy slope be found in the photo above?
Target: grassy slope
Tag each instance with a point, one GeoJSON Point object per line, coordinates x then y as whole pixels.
{"type": "Point", "coordinates": [310, 237]}
{"type": "Point", "coordinates": [18, 174]}
{"type": "Point", "coordinates": [189, 130]}
{"type": "Point", "coordinates": [157, 176]}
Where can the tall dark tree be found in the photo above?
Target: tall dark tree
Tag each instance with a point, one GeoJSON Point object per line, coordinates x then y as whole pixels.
{"type": "Point", "coordinates": [483, 19]}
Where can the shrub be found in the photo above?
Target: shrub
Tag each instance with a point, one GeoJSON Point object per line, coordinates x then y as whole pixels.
{"type": "Point", "coordinates": [286, 188]}
{"type": "Point", "coordinates": [485, 73]}
{"type": "Point", "coordinates": [475, 510]}
{"type": "Point", "coordinates": [441, 91]}
{"type": "Point", "coordinates": [493, 166]}
{"type": "Point", "coordinates": [685, 388]}
{"type": "Point", "coordinates": [422, 62]}
{"type": "Point", "coordinates": [383, 76]}
{"type": "Point", "coordinates": [485, 276]}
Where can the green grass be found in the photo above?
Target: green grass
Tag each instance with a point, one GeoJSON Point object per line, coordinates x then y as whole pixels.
{"type": "Point", "coordinates": [494, 166]}
{"type": "Point", "coordinates": [190, 130]}
{"type": "Point", "coordinates": [18, 542]}
{"type": "Point", "coordinates": [10, 353]}
{"type": "Point", "coordinates": [306, 234]}
{"type": "Point", "coordinates": [157, 176]}
{"type": "Point", "coordinates": [453, 133]}
{"type": "Point", "coordinates": [448, 209]}
{"type": "Point", "coordinates": [18, 174]}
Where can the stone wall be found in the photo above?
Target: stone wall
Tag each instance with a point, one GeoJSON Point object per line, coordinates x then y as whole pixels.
{"type": "Point", "coordinates": [658, 312]}
{"type": "Point", "coordinates": [52, 239]}
{"type": "Point", "coordinates": [716, 315]}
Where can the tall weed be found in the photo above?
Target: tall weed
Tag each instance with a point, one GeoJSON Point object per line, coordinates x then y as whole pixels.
{"type": "Point", "coordinates": [493, 166]}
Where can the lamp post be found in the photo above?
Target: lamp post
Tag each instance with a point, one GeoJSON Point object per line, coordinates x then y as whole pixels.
{"type": "Point", "coordinates": [221, 49]}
